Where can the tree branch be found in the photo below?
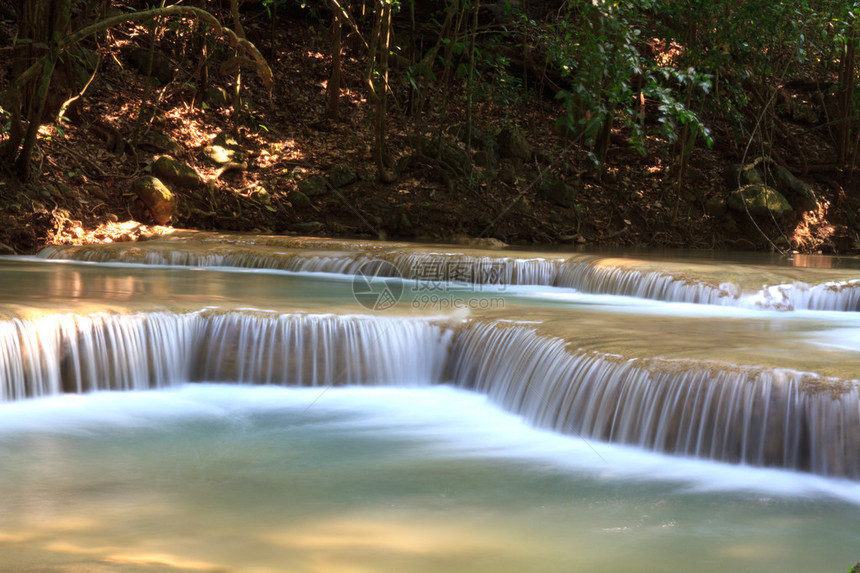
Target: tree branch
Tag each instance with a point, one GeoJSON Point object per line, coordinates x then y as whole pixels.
{"type": "Point", "coordinates": [262, 68]}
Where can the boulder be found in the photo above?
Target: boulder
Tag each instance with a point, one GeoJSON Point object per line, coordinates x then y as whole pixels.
{"type": "Point", "coordinates": [162, 68]}
{"type": "Point", "coordinates": [161, 143]}
{"type": "Point", "coordinates": [341, 175]}
{"type": "Point", "coordinates": [176, 172]}
{"type": "Point", "coordinates": [558, 192]}
{"type": "Point", "coordinates": [306, 227]}
{"type": "Point", "coordinates": [219, 155]}
{"type": "Point", "coordinates": [479, 139]}
{"type": "Point", "coordinates": [313, 186]}
{"type": "Point", "coordinates": [451, 158]}
{"type": "Point", "coordinates": [798, 192]}
{"type": "Point", "coordinates": [738, 175]}
{"type": "Point", "coordinates": [760, 200]}
{"type": "Point", "coordinates": [158, 199]}
{"type": "Point", "coordinates": [299, 200]}
{"type": "Point", "coordinates": [513, 145]}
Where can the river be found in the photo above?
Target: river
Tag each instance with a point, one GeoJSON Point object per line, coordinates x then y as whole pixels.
{"type": "Point", "coordinates": [238, 403]}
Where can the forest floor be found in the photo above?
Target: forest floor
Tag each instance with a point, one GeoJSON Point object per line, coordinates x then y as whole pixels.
{"type": "Point", "coordinates": [83, 190]}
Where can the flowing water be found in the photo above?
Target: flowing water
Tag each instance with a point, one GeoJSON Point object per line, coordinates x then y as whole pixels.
{"type": "Point", "coordinates": [239, 403]}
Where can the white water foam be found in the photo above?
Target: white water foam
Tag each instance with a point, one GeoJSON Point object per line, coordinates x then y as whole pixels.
{"type": "Point", "coordinates": [450, 423]}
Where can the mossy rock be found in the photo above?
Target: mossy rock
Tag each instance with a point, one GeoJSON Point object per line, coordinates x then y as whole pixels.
{"type": "Point", "coordinates": [341, 175]}
{"type": "Point", "coordinates": [299, 200]}
{"type": "Point", "coordinates": [159, 200]}
{"type": "Point", "coordinates": [313, 186]}
{"type": "Point", "coordinates": [738, 175]}
{"type": "Point", "coordinates": [176, 172]}
{"type": "Point", "coordinates": [760, 201]}
{"type": "Point", "coordinates": [162, 70]}
{"type": "Point", "coordinates": [307, 227]}
{"type": "Point", "coordinates": [162, 143]}
{"type": "Point", "coordinates": [798, 192]}
{"type": "Point", "coordinates": [513, 145]}
{"type": "Point", "coordinates": [558, 192]}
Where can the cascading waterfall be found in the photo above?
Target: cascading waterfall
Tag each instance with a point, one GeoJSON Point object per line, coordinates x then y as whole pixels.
{"type": "Point", "coordinates": [750, 415]}
{"type": "Point", "coordinates": [754, 416]}
{"type": "Point", "coordinates": [72, 353]}
{"type": "Point", "coordinates": [843, 296]}
{"type": "Point", "coordinates": [601, 278]}
{"type": "Point", "coordinates": [478, 269]}
{"type": "Point", "coordinates": [448, 267]}
{"type": "Point", "coordinates": [314, 350]}
{"type": "Point", "coordinates": [585, 273]}
{"type": "Point", "coordinates": [230, 256]}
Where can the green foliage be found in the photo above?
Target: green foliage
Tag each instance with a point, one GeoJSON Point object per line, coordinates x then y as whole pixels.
{"type": "Point", "coordinates": [599, 47]}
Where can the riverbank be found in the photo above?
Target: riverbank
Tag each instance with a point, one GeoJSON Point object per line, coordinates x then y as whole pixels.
{"type": "Point", "coordinates": [514, 178]}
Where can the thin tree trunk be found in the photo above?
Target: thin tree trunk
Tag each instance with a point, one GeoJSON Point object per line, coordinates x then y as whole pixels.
{"type": "Point", "coordinates": [846, 100]}
{"type": "Point", "coordinates": [382, 90]}
{"type": "Point", "coordinates": [48, 25]}
{"type": "Point", "coordinates": [237, 87]}
{"type": "Point", "coordinates": [470, 87]}
{"type": "Point", "coordinates": [333, 87]}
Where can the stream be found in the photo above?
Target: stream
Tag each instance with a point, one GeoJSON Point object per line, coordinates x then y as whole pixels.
{"type": "Point", "coordinates": [209, 402]}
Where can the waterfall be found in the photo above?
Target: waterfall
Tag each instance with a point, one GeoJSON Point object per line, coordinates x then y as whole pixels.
{"type": "Point", "coordinates": [602, 277]}
{"type": "Point", "coordinates": [749, 415]}
{"type": "Point", "coordinates": [72, 353]}
{"type": "Point", "coordinates": [841, 296]}
{"type": "Point", "coordinates": [317, 350]}
{"type": "Point", "coordinates": [589, 274]}
{"type": "Point", "coordinates": [219, 256]}
{"type": "Point", "coordinates": [478, 269]}
{"type": "Point", "coordinates": [446, 267]}
{"type": "Point", "coordinates": [756, 416]}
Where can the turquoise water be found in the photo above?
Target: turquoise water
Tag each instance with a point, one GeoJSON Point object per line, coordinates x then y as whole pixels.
{"type": "Point", "coordinates": [222, 477]}
{"type": "Point", "coordinates": [266, 479]}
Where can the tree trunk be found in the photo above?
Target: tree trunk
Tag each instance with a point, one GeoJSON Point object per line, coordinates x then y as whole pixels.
{"type": "Point", "coordinates": [381, 91]}
{"type": "Point", "coordinates": [333, 87]}
{"type": "Point", "coordinates": [46, 23]}
{"type": "Point", "coordinates": [846, 100]}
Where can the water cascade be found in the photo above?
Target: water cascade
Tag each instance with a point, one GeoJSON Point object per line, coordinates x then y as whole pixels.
{"type": "Point", "coordinates": [778, 289]}
{"type": "Point", "coordinates": [174, 414]}
{"type": "Point", "coordinates": [607, 277]}
{"type": "Point", "coordinates": [755, 416]}
{"type": "Point", "coordinates": [750, 415]}
{"type": "Point", "coordinates": [457, 267]}
{"type": "Point", "coordinates": [73, 353]}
